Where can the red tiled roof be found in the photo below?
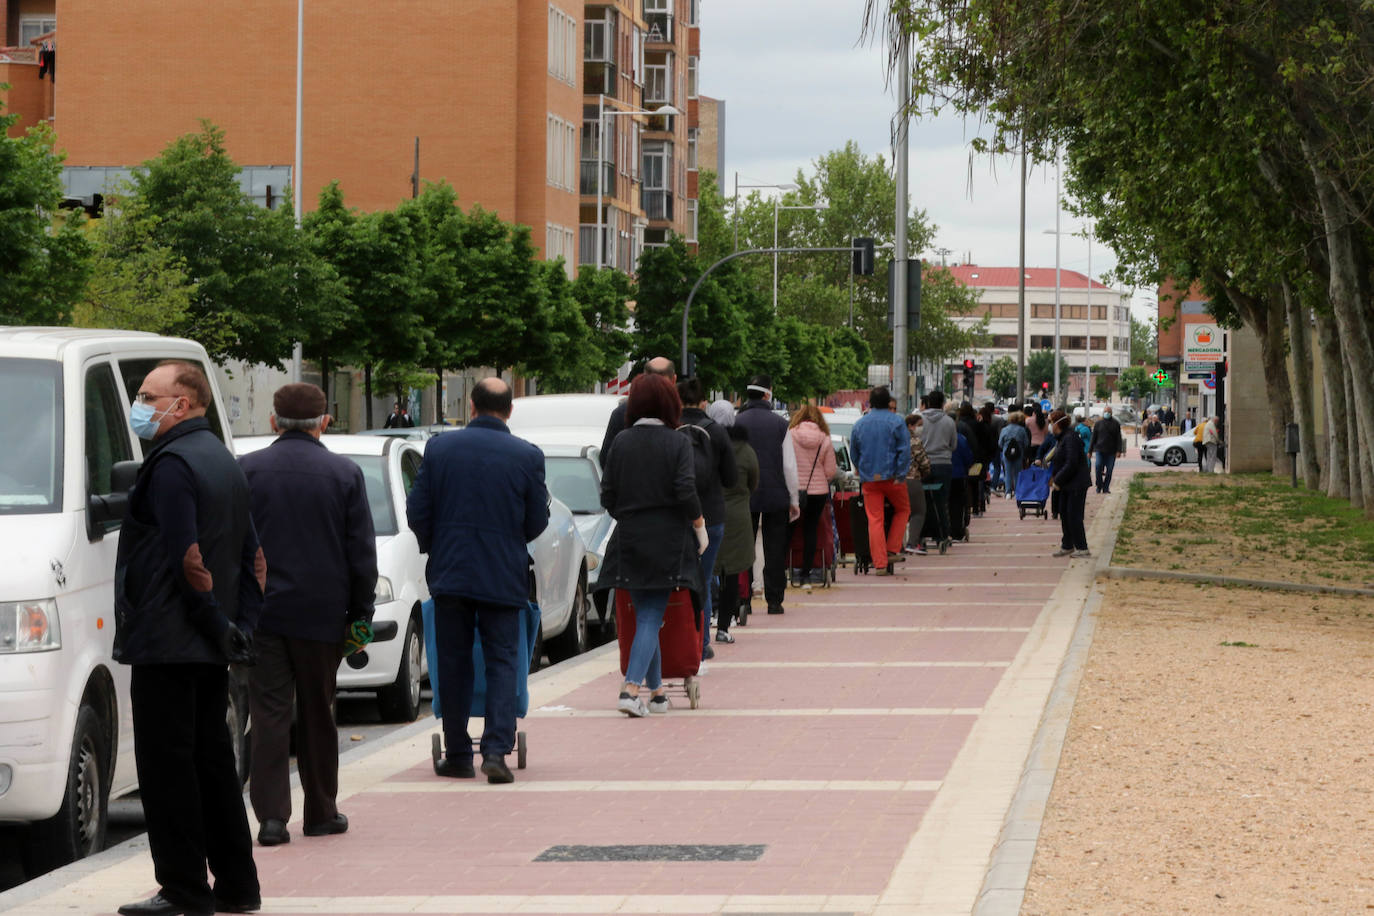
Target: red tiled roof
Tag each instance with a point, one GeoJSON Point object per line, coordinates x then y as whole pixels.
{"type": "Point", "coordinates": [1036, 277]}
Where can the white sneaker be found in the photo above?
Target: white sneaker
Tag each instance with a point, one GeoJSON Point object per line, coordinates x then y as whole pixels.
{"type": "Point", "coordinates": [1062, 552]}
{"type": "Point", "coordinates": [632, 706]}
{"type": "Point", "coordinates": [1082, 553]}
{"type": "Point", "coordinates": [659, 705]}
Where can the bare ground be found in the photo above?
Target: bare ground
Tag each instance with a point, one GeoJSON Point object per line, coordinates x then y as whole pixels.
{"type": "Point", "coordinates": [1219, 757]}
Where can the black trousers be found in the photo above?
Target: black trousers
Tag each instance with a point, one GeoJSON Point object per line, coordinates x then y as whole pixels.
{"type": "Point", "coordinates": [810, 521]}
{"type": "Point", "coordinates": [300, 674]}
{"type": "Point", "coordinates": [728, 608]}
{"type": "Point", "coordinates": [455, 621]}
{"type": "Point", "coordinates": [1072, 506]}
{"type": "Point", "coordinates": [192, 798]}
{"type": "Point", "coordinates": [776, 533]}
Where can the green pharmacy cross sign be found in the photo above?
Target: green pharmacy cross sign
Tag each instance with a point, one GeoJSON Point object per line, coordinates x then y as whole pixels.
{"type": "Point", "coordinates": [1160, 376]}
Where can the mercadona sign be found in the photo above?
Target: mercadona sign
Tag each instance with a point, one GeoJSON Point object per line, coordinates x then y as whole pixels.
{"type": "Point", "coordinates": [1202, 343]}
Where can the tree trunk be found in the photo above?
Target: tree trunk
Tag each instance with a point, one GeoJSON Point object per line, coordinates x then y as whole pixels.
{"type": "Point", "coordinates": [367, 394]}
{"type": "Point", "coordinates": [1352, 447]}
{"type": "Point", "coordinates": [1264, 316]}
{"type": "Point", "coordinates": [439, 396]}
{"type": "Point", "coordinates": [1353, 332]}
{"type": "Point", "coordinates": [1300, 378]}
{"type": "Point", "coordinates": [1336, 472]}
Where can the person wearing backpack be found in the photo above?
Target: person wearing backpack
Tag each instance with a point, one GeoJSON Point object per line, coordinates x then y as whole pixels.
{"type": "Point", "coordinates": [815, 467]}
{"type": "Point", "coordinates": [1014, 444]}
{"type": "Point", "coordinates": [714, 465]}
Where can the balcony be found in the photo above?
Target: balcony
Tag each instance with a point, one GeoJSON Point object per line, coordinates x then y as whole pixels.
{"type": "Point", "coordinates": [587, 184]}
{"type": "Point", "coordinates": [658, 203]}
{"type": "Point", "coordinates": [660, 28]}
{"type": "Point", "coordinates": [599, 78]}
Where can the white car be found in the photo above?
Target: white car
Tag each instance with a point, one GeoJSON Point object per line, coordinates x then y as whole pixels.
{"type": "Point", "coordinates": [395, 666]}
{"type": "Point", "coordinates": [1170, 450]}
{"type": "Point", "coordinates": [563, 419]}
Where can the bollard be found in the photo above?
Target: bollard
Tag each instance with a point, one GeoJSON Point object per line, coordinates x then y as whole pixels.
{"type": "Point", "coordinates": [1292, 443]}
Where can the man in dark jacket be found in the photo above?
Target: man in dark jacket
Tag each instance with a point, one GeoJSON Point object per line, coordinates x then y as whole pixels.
{"type": "Point", "coordinates": [399, 418]}
{"type": "Point", "coordinates": [714, 466]}
{"type": "Point", "coordinates": [1107, 442]}
{"type": "Point", "coordinates": [478, 500]}
{"type": "Point", "coordinates": [775, 503]}
{"type": "Point", "coordinates": [311, 511]}
{"type": "Point", "coordinates": [659, 365]}
{"type": "Point", "coordinates": [188, 590]}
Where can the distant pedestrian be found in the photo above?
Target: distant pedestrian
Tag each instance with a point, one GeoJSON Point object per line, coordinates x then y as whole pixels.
{"type": "Point", "coordinates": [1037, 425]}
{"type": "Point", "coordinates": [1169, 417]}
{"type": "Point", "coordinates": [998, 421]}
{"type": "Point", "coordinates": [1071, 481]}
{"type": "Point", "coordinates": [1107, 443]}
{"type": "Point", "coordinates": [311, 511]}
{"type": "Point", "coordinates": [399, 418]}
{"type": "Point", "coordinates": [961, 462]}
{"type": "Point", "coordinates": [659, 365]}
{"type": "Point", "coordinates": [714, 469]}
{"type": "Point", "coordinates": [916, 475]}
{"type": "Point", "coordinates": [881, 448]}
{"type": "Point", "coordinates": [774, 504]}
{"type": "Point", "coordinates": [736, 554]}
{"type": "Point", "coordinates": [1199, 447]}
{"type": "Point", "coordinates": [815, 455]}
{"type": "Point", "coordinates": [1211, 444]}
{"type": "Point", "coordinates": [477, 502]}
{"type": "Point", "coordinates": [1153, 428]}
{"type": "Point", "coordinates": [188, 591]}
{"type": "Point", "coordinates": [650, 490]}
{"type": "Point", "coordinates": [1084, 430]}
{"type": "Point", "coordinates": [940, 437]}
{"type": "Point", "coordinates": [1014, 444]}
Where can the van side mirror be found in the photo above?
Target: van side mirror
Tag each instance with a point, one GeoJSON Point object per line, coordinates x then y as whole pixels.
{"type": "Point", "coordinates": [123, 474]}
{"type": "Point", "coordinates": [109, 507]}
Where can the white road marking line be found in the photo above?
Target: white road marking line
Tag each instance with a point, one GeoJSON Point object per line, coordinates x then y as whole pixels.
{"type": "Point", "coordinates": [573, 903]}
{"type": "Point", "coordinates": [667, 785]}
{"type": "Point", "coordinates": [915, 629]}
{"type": "Point", "coordinates": [768, 712]}
{"type": "Point", "coordinates": [721, 664]}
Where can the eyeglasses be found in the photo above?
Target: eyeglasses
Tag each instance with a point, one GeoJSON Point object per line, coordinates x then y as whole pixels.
{"type": "Point", "coordinates": [144, 397]}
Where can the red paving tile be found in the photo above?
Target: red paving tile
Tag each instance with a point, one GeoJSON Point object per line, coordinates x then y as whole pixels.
{"type": "Point", "coordinates": [918, 646]}
{"type": "Point", "coordinates": [816, 613]}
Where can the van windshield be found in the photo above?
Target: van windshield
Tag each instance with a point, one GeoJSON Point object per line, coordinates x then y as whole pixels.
{"type": "Point", "coordinates": [31, 415]}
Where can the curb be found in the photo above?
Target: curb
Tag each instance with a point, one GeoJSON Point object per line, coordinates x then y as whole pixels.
{"type": "Point", "coordinates": [1133, 572]}
{"type": "Point", "coordinates": [1009, 867]}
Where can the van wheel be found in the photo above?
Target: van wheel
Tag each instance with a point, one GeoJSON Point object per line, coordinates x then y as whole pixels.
{"type": "Point", "coordinates": [572, 642]}
{"type": "Point", "coordinates": [77, 829]}
{"type": "Point", "coordinates": [400, 700]}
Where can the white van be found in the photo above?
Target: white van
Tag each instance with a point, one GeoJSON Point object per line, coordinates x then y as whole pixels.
{"type": "Point", "coordinates": [66, 733]}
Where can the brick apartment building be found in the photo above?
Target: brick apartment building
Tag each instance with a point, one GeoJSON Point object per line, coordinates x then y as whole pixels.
{"type": "Point", "coordinates": [1182, 310]}
{"type": "Point", "coordinates": [1101, 339]}
{"type": "Point", "coordinates": [498, 93]}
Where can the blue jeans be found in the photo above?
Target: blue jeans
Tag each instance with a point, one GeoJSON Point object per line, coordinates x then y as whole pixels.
{"type": "Point", "coordinates": [996, 469]}
{"type": "Point", "coordinates": [1106, 461]}
{"type": "Point", "coordinates": [645, 666]}
{"type": "Point", "coordinates": [714, 535]}
{"type": "Point", "coordinates": [1013, 471]}
{"type": "Point", "coordinates": [454, 621]}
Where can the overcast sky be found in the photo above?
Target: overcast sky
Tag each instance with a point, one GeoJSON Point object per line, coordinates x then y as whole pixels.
{"type": "Point", "coordinates": [798, 84]}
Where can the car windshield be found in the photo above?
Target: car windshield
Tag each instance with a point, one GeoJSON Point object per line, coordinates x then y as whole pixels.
{"type": "Point", "coordinates": [378, 493]}
{"type": "Point", "coordinates": [840, 427]}
{"type": "Point", "coordinates": [573, 482]}
{"type": "Point", "coordinates": [31, 464]}
{"type": "Point", "coordinates": [548, 412]}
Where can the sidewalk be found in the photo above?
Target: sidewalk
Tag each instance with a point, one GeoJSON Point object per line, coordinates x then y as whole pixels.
{"type": "Point", "coordinates": [857, 755]}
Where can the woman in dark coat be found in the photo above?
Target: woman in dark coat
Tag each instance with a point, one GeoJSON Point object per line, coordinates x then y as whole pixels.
{"type": "Point", "coordinates": [1071, 481]}
{"type": "Point", "coordinates": [737, 550]}
{"type": "Point", "coordinates": [649, 487]}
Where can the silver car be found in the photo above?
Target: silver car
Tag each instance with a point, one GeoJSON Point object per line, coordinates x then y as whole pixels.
{"type": "Point", "coordinates": [1170, 450]}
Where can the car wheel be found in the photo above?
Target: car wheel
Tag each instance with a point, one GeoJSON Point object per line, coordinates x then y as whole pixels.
{"type": "Point", "coordinates": [1173, 457]}
{"type": "Point", "coordinates": [77, 829]}
{"type": "Point", "coordinates": [236, 718]}
{"type": "Point", "coordinates": [572, 642]}
{"type": "Point", "coordinates": [400, 700]}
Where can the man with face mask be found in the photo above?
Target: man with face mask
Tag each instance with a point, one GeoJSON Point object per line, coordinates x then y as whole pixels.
{"type": "Point", "coordinates": [188, 590]}
{"type": "Point", "coordinates": [1107, 442]}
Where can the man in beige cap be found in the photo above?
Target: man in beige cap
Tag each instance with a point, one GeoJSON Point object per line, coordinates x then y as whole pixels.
{"type": "Point", "coordinates": [311, 511]}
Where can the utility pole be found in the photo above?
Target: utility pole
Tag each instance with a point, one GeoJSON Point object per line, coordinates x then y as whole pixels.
{"type": "Point", "coordinates": [899, 264]}
{"type": "Point", "coordinates": [1021, 285]}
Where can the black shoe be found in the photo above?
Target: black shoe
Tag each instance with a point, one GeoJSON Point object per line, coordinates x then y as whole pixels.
{"type": "Point", "coordinates": [455, 769]}
{"type": "Point", "coordinates": [228, 906]}
{"type": "Point", "coordinates": [158, 905]}
{"type": "Point", "coordinates": [272, 832]}
{"type": "Point", "coordinates": [775, 608]}
{"type": "Point", "coordinates": [338, 825]}
{"type": "Point", "coordinates": [496, 769]}
{"type": "Point", "coordinates": [707, 653]}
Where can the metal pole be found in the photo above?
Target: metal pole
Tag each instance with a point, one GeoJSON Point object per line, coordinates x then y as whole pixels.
{"type": "Point", "coordinates": [735, 247]}
{"type": "Point", "coordinates": [1021, 287]}
{"type": "Point", "coordinates": [1057, 237]}
{"type": "Point", "coordinates": [297, 350]}
{"type": "Point", "coordinates": [1088, 325]}
{"type": "Point", "coordinates": [899, 264]}
{"type": "Point", "coordinates": [600, 170]}
{"type": "Point", "coordinates": [776, 201]}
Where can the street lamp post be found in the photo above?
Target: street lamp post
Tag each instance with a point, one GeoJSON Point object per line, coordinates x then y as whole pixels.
{"type": "Point", "coordinates": [297, 350]}
{"type": "Point", "coordinates": [1088, 323]}
{"type": "Point", "coordinates": [776, 207]}
{"type": "Point", "coordinates": [785, 186]}
{"type": "Point", "coordinates": [601, 115]}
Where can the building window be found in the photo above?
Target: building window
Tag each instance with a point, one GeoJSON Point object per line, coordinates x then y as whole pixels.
{"type": "Point", "coordinates": [692, 135]}
{"type": "Point", "coordinates": [30, 27]}
{"type": "Point", "coordinates": [559, 242]}
{"type": "Point", "coordinates": [691, 220]}
{"type": "Point", "coordinates": [562, 46]}
{"type": "Point", "coordinates": [658, 83]}
{"type": "Point", "coordinates": [1004, 341]}
{"type": "Point", "coordinates": [694, 12]}
{"type": "Point", "coordinates": [561, 149]}
{"type": "Point", "coordinates": [693, 63]}
{"type": "Point", "coordinates": [1100, 343]}
{"type": "Point", "coordinates": [1000, 309]}
{"type": "Point", "coordinates": [656, 194]}
{"type": "Point", "coordinates": [598, 44]}
{"type": "Point", "coordinates": [637, 49]}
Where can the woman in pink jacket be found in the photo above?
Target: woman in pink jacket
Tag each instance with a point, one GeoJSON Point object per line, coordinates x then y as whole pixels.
{"type": "Point", "coordinates": [815, 467]}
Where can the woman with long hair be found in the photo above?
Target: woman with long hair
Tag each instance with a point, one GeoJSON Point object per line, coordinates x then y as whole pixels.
{"type": "Point", "coordinates": [649, 487]}
{"type": "Point", "coordinates": [815, 467]}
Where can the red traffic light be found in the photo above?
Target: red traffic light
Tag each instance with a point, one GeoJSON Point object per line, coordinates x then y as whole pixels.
{"type": "Point", "coordinates": [968, 364]}
{"type": "Point", "coordinates": [1044, 386]}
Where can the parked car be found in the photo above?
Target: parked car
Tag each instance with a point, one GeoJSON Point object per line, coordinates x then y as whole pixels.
{"type": "Point", "coordinates": [395, 667]}
{"type": "Point", "coordinates": [414, 433]}
{"type": "Point", "coordinates": [573, 474]}
{"type": "Point", "coordinates": [1170, 450]}
{"type": "Point", "coordinates": [66, 730]}
{"type": "Point", "coordinates": [563, 419]}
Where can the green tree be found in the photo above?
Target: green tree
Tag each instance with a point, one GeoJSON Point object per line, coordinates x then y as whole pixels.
{"type": "Point", "coordinates": [338, 334]}
{"type": "Point", "coordinates": [44, 257]}
{"type": "Point", "coordinates": [1040, 369]}
{"type": "Point", "coordinates": [1135, 381]}
{"type": "Point", "coordinates": [1102, 389]}
{"type": "Point", "coordinates": [944, 300]}
{"type": "Point", "coordinates": [602, 295]}
{"type": "Point", "coordinates": [571, 359]}
{"type": "Point", "coordinates": [1001, 376]}
{"type": "Point", "coordinates": [1144, 342]}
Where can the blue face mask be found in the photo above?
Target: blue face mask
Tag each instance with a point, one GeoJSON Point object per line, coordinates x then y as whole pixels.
{"type": "Point", "coordinates": [145, 420]}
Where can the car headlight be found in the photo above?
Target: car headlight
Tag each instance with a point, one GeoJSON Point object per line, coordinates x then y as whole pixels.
{"type": "Point", "coordinates": [384, 592]}
{"type": "Point", "coordinates": [29, 626]}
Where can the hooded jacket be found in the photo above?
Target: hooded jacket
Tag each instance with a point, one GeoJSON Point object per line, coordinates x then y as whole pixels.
{"type": "Point", "coordinates": [939, 435]}
{"type": "Point", "coordinates": [815, 457]}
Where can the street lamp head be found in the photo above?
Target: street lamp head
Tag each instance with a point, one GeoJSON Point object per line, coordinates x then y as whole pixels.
{"type": "Point", "coordinates": [666, 110]}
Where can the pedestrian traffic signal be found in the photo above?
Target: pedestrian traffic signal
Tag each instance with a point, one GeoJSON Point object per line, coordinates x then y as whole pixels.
{"type": "Point", "coordinates": [1045, 387]}
{"type": "Point", "coordinates": [863, 256]}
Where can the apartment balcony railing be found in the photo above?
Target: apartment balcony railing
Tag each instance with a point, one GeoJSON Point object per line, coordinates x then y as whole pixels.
{"type": "Point", "coordinates": [658, 203]}
{"type": "Point", "coordinates": [660, 28]}
{"type": "Point", "coordinates": [587, 185]}
{"type": "Point", "coordinates": [599, 78]}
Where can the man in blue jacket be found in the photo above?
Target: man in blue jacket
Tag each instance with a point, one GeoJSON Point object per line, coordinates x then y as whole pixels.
{"type": "Point", "coordinates": [478, 500]}
{"type": "Point", "coordinates": [311, 511]}
{"type": "Point", "coordinates": [881, 448]}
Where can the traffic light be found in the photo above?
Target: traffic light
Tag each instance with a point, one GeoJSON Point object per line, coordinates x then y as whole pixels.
{"type": "Point", "coordinates": [863, 256]}
{"type": "Point", "coordinates": [1045, 388]}
{"type": "Point", "coordinates": [968, 378]}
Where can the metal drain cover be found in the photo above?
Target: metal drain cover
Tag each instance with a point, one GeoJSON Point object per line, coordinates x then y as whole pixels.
{"type": "Point", "coordinates": [655, 852]}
